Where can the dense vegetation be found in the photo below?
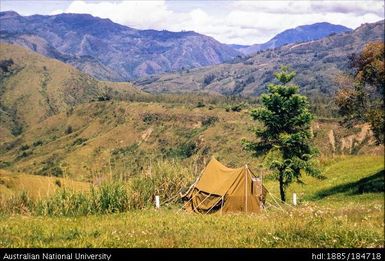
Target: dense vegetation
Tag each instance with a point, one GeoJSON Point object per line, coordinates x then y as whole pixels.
{"type": "Point", "coordinates": [361, 95]}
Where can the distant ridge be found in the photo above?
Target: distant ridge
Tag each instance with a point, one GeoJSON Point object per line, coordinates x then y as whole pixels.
{"type": "Point", "coordinates": [110, 51]}
{"type": "Point", "coordinates": [302, 33]}
{"type": "Point", "coordinates": [316, 62]}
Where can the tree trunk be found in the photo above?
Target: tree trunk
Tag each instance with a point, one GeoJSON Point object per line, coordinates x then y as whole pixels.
{"type": "Point", "coordinates": [281, 188]}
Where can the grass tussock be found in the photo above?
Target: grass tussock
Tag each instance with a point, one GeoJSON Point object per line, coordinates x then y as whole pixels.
{"type": "Point", "coordinates": [164, 178]}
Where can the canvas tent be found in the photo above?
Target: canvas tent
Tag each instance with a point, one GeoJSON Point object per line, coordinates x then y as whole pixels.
{"type": "Point", "coordinates": [222, 189]}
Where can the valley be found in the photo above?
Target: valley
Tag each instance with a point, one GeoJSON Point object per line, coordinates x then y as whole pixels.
{"type": "Point", "coordinates": [98, 118]}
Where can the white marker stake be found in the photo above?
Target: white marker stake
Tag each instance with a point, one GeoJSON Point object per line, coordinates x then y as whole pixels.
{"type": "Point", "coordinates": [294, 199]}
{"type": "Point", "coordinates": [157, 202]}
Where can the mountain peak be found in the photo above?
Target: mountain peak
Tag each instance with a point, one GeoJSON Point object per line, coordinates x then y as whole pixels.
{"type": "Point", "coordinates": [8, 14]}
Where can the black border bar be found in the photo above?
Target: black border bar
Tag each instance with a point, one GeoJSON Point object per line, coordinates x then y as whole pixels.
{"type": "Point", "coordinates": [114, 254]}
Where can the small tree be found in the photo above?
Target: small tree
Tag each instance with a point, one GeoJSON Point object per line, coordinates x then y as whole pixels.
{"type": "Point", "coordinates": [285, 138]}
{"type": "Point", "coordinates": [361, 95]}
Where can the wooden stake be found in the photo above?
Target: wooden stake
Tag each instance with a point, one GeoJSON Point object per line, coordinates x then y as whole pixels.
{"type": "Point", "coordinates": [157, 202]}
{"type": "Point", "coordinates": [294, 199]}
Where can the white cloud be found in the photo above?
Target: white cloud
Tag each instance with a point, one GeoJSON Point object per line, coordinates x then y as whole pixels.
{"type": "Point", "coordinates": [242, 22]}
{"type": "Point", "coordinates": [137, 14]}
{"type": "Point", "coordinates": [357, 7]}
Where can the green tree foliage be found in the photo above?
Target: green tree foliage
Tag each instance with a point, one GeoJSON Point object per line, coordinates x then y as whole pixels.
{"type": "Point", "coordinates": [285, 138]}
{"type": "Point", "coordinates": [360, 97]}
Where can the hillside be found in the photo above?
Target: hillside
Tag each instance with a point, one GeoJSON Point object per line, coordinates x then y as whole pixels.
{"type": "Point", "coordinates": [126, 138]}
{"type": "Point", "coordinates": [302, 33]}
{"type": "Point", "coordinates": [33, 87]}
{"type": "Point", "coordinates": [316, 62]}
{"type": "Point", "coordinates": [36, 187]}
{"type": "Point", "coordinates": [110, 51]}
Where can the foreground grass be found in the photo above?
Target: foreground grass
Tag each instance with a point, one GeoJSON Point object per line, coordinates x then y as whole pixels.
{"type": "Point", "coordinates": [307, 226]}
{"type": "Point", "coordinates": [331, 213]}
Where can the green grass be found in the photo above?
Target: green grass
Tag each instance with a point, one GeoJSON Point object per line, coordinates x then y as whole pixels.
{"type": "Point", "coordinates": [345, 178]}
{"type": "Point", "coordinates": [305, 227]}
{"type": "Point", "coordinates": [344, 217]}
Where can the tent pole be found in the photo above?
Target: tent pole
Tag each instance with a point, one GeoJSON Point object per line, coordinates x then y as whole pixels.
{"type": "Point", "coordinates": [246, 188]}
{"type": "Point", "coordinates": [212, 207]}
{"type": "Point", "coordinates": [196, 208]}
{"type": "Point", "coordinates": [222, 205]}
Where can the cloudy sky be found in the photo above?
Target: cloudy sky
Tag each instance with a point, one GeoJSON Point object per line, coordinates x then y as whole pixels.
{"type": "Point", "coordinates": [231, 21]}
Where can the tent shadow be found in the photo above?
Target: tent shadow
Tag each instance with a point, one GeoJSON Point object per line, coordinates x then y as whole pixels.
{"type": "Point", "coordinates": [372, 184]}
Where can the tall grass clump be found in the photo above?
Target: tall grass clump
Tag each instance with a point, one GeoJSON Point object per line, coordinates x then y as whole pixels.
{"type": "Point", "coordinates": [164, 178]}
{"type": "Point", "coordinates": [111, 197]}
{"type": "Point", "coordinates": [106, 198]}
{"type": "Point", "coordinates": [65, 203]}
{"type": "Point", "coordinates": [17, 204]}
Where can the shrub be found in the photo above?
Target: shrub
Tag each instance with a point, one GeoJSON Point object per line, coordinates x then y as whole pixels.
{"type": "Point", "coordinates": [17, 130]}
{"type": "Point", "coordinates": [235, 108]}
{"type": "Point", "coordinates": [250, 79]}
{"type": "Point", "coordinates": [104, 97]}
{"type": "Point", "coordinates": [58, 183]}
{"type": "Point", "coordinates": [6, 65]}
{"type": "Point", "coordinates": [51, 167]}
{"type": "Point", "coordinates": [24, 147]}
{"type": "Point", "coordinates": [183, 151]}
{"type": "Point", "coordinates": [200, 104]}
{"type": "Point", "coordinates": [4, 164]}
{"type": "Point", "coordinates": [24, 154]}
{"type": "Point", "coordinates": [150, 117]}
{"type": "Point", "coordinates": [68, 130]}
{"type": "Point", "coordinates": [210, 120]}
{"type": "Point", "coordinates": [37, 143]}
{"type": "Point", "coordinates": [207, 79]}
{"type": "Point", "coordinates": [79, 141]}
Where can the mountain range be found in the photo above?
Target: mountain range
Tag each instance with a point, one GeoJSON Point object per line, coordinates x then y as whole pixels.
{"type": "Point", "coordinates": [110, 51]}
{"type": "Point", "coordinates": [317, 63]}
{"type": "Point", "coordinates": [302, 33]}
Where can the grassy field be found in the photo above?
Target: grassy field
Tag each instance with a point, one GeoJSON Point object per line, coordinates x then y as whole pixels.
{"type": "Point", "coordinates": [35, 186]}
{"type": "Point", "coordinates": [307, 226]}
{"type": "Point", "coordinates": [344, 210]}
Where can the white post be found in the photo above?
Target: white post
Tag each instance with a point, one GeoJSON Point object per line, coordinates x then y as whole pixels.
{"type": "Point", "coordinates": [294, 199]}
{"type": "Point", "coordinates": [157, 202]}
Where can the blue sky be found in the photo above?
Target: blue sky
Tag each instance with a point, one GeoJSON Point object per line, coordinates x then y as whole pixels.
{"type": "Point", "coordinates": [230, 21]}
